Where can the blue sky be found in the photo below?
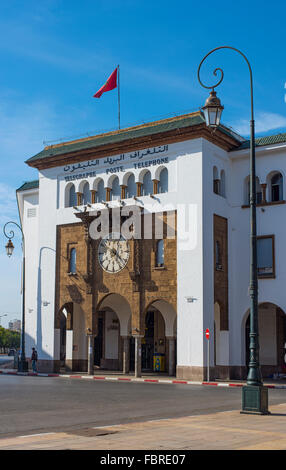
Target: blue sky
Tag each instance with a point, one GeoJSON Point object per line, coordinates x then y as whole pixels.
{"type": "Point", "coordinates": [55, 54]}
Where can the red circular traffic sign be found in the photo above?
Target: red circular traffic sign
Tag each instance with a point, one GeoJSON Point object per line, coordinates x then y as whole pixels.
{"type": "Point", "coordinates": [207, 333]}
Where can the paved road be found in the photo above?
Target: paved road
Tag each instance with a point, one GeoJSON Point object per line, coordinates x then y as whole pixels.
{"type": "Point", "coordinates": [6, 358]}
{"type": "Point", "coordinates": [42, 404]}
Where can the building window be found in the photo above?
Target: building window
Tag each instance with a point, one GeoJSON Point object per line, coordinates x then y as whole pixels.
{"type": "Point", "coordinates": [72, 261]}
{"type": "Point", "coordinates": [160, 253]}
{"type": "Point", "coordinates": [163, 182]}
{"type": "Point", "coordinates": [218, 262]}
{"type": "Point", "coordinates": [131, 189]}
{"type": "Point", "coordinates": [277, 187]}
{"type": "Point", "coordinates": [147, 187]}
{"type": "Point", "coordinates": [258, 191]}
{"type": "Point", "coordinates": [216, 181]}
{"type": "Point", "coordinates": [265, 256]}
{"type": "Point", "coordinates": [72, 198]}
{"type": "Point", "coordinates": [222, 183]}
{"type": "Point", "coordinates": [86, 194]}
{"type": "Point", "coordinates": [115, 189]}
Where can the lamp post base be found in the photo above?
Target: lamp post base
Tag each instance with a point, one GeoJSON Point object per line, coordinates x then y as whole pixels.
{"type": "Point", "coordinates": [22, 366]}
{"type": "Point", "coordinates": [255, 400]}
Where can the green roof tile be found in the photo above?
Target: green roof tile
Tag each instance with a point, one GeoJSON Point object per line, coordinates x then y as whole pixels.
{"type": "Point", "coordinates": [119, 136]}
{"type": "Point", "coordinates": [29, 185]}
{"type": "Point", "coordinates": [267, 140]}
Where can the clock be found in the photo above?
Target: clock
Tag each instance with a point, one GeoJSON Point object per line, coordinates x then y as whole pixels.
{"type": "Point", "coordinates": [113, 253]}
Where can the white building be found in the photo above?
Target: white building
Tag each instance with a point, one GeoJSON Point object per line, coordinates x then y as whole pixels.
{"type": "Point", "coordinates": [159, 293]}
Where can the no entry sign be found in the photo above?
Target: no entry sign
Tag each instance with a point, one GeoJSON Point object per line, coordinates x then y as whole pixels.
{"type": "Point", "coordinates": [207, 333]}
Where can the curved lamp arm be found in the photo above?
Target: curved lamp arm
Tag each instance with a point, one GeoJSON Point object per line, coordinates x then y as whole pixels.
{"type": "Point", "coordinates": [222, 74]}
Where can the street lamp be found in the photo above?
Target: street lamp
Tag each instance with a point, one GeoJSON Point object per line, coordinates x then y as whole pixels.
{"type": "Point", "coordinates": [22, 364]}
{"type": "Point", "coordinates": [254, 394]}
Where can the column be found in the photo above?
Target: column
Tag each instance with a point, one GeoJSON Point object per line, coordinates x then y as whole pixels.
{"type": "Point", "coordinates": [108, 194]}
{"type": "Point", "coordinates": [79, 199]}
{"type": "Point", "coordinates": [155, 186]}
{"type": "Point", "coordinates": [138, 355]}
{"type": "Point", "coordinates": [90, 355]}
{"type": "Point", "coordinates": [93, 196]}
{"type": "Point", "coordinates": [126, 354]}
{"type": "Point", "coordinates": [139, 189]}
{"type": "Point", "coordinates": [171, 364]}
{"type": "Point", "coordinates": [123, 191]}
{"type": "Point", "coordinates": [263, 188]}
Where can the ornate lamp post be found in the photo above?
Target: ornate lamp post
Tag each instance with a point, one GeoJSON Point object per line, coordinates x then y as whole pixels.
{"type": "Point", "coordinates": [23, 364]}
{"type": "Point", "coordinates": [254, 394]}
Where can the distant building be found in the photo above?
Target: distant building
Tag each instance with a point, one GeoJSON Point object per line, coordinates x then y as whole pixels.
{"type": "Point", "coordinates": [15, 325]}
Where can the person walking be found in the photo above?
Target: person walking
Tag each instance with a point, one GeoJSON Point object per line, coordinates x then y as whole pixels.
{"type": "Point", "coordinates": [34, 359]}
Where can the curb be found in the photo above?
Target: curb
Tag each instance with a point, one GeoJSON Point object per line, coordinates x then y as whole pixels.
{"type": "Point", "coordinates": [130, 379]}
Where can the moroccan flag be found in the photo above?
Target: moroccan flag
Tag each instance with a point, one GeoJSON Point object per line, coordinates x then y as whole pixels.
{"type": "Point", "coordinates": [110, 84]}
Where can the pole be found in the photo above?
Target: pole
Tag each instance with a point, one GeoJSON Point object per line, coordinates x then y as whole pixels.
{"type": "Point", "coordinates": [254, 394]}
{"type": "Point", "coordinates": [118, 98]}
{"type": "Point", "coordinates": [208, 360]}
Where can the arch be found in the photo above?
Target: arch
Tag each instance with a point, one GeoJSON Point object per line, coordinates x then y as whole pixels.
{"type": "Point", "coordinates": [115, 189]}
{"type": "Point", "coordinates": [131, 189]}
{"type": "Point", "coordinates": [70, 195]}
{"type": "Point", "coordinates": [216, 181]}
{"type": "Point", "coordinates": [121, 307]}
{"type": "Point", "coordinates": [222, 183]}
{"type": "Point", "coordinates": [147, 186]}
{"type": "Point", "coordinates": [272, 338]}
{"type": "Point", "coordinates": [247, 190]}
{"type": "Point", "coordinates": [163, 184]}
{"type": "Point", "coordinates": [100, 191]}
{"type": "Point", "coordinates": [85, 190]}
{"type": "Point", "coordinates": [275, 184]}
{"type": "Point", "coordinates": [168, 313]}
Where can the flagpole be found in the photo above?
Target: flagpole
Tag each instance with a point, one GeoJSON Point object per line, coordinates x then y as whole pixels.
{"type": "Point", "coordinates": [118, 99]}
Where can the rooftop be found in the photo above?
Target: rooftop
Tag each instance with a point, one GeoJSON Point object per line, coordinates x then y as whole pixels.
{"type": "Point", "coordinates": [127, 134]}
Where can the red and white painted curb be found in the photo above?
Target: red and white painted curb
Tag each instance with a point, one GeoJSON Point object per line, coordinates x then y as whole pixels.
{"type": "Point", "coordinates": [134, 379]}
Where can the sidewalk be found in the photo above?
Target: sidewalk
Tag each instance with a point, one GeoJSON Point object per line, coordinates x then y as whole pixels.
{"type": "Point", "coordinates": [219, 431]}
{"type": "Point", "coordinates": [146, 377]}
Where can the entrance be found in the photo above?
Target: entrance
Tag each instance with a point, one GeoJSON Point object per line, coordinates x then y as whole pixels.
{"type": "Point", "coordinates": [98, 343]}
{"type": "Point", "coordinates": [148, 343]}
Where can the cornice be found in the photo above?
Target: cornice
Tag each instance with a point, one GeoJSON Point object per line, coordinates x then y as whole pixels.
{"type": "Point", "coordinates": [219, 138]}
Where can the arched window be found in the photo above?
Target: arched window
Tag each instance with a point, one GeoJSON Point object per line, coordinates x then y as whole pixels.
{"type": "Point", "coordinates": [115, 189]}
{"type": "Point", "coordinates": [100, 193]}
{"type": "Point", "coordinates": [258, 191]}
{"type": "Point", "coordinates": [72, 261]}
{"type": "Point", "coordinates": [72, 201]}
{"type": "Point", "coordinates": [216, 181]}
{"type": "Point", "coordinates": [163, 182]}
{"type": "Point", "coordinates": [222, 183]}
{"type": "Point", "coordinates": [131, 189]}
{"type": "Point", "coordinates": [277, 187]}
{"type": "Point", "coordinates": [86, 194]}
{"type": "Point", "coordinates": [160, 253]}
{"type": "Point", "coordinates": [147, 187]}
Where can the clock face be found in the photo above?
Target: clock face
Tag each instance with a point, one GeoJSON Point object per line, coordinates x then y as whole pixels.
{"type": "Point", "coordinates": [113, 253]}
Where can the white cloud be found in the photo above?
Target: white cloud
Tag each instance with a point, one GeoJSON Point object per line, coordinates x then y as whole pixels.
{"type": "Point", "coordinates": [264, 122]}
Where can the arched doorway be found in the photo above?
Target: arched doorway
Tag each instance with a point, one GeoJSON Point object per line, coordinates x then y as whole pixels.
{"type": "Point", "coordinates": [272, 339]}
{"type": "Point", "coordinates": [111, 345]}
{"type": "Point", "coordinates": [154, 341]}
{"type": "Point", "coordinates": [159, 341]}
{"type": "Point", "coordinates": [107, 343]}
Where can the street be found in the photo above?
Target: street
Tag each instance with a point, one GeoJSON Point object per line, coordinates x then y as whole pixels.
{"type": "Point", "coordinates": [30, 405]}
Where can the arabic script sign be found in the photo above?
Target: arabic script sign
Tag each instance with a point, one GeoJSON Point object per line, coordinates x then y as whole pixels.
{"type": "Point", "coordinates": [121, 158]}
